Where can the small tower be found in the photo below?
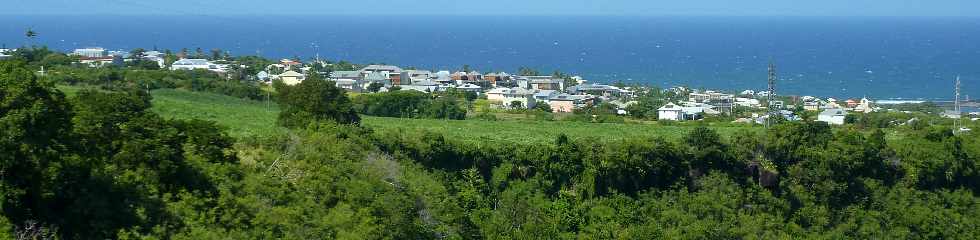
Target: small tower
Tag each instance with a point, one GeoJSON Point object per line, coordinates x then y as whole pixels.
{"type": "Point", "coordinates": [956, 105]}
{"type": "Point", "coordinates": [773, 110]}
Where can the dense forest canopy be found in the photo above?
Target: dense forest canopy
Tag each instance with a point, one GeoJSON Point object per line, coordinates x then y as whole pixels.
{"type": "Point", "coordinates": [100, 165]}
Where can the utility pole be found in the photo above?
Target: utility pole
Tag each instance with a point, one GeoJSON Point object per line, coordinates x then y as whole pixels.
{"type": "Point", "coordinates": [771, 97]}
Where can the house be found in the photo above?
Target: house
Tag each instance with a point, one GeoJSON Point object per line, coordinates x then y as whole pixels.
{"type": "Point", "coordinates": [545, 95]}
{"type": "Point", "coordinates": [443, 77]}
{"type": "Point", "coordinates": [193, 64]}
{"type": "Point", "coordinates": [262, 76]}
{"type": "Point", "coordinates": [376, 77]}
{"type": "Point", "coordinates": [708, 96]}
{"type": "Point", "coordinates": [493, 78]}
{"type": "Point", "coordinates": [5, 53]}
{"type": "Point", "coordinates": [391, 73]}
{"type": "Point", "coordinates": [811, 105]}
{"type": "Point", "coordinates": [567, 102]}
{"type": "Point", "coordinates": [287, 64]}
{"type": "Point", "coordinates": [291, 77]}
{"type": "Point", "coordinates": [832, 116]}
{"type": "Point", "coordinates": [507, 96]}
{"type": "Point", "coordinates": [425, 86]}
{"type": "Point", "coordinates": [670, 111]}
{"type": "Point", "coordinates": [94, 52]}
{"type": "Point", "coordinates": [864, 106]}
{"type": "Point", "coordinates": [409, 77]}
{"type": "Point", "coordinates": [348, 84]}
{"type": "Point", "coordinates": [747, 102]}
{"type": "Point", "coordinates": [599, 89]}
{"type": "Point", "coordinates": [851, 103]}
{"type": "Point", "coordinates": [470, 88]}
{"type": "Point", "coordinates": [100, 61]}
{"type": "Point", "coordinates": [545, 83]}
{"type": "Point", "coordinates": [349, 80]}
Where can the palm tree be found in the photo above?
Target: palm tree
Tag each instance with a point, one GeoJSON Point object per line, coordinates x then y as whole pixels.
{"type": "Point", "coordinates": [31, 34]}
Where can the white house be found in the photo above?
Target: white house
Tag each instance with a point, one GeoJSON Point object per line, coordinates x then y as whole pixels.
{"type": "Point", "coordinates": [192, 64]}
{"type": "Point", "coordinates": [670, 111]}
{"type": "Point", "coordinates": [291, 77]}
{"type": "Point", "coordinates": [91, 52]}
{"type": "Point", "coordinates": [506, 96]}
{"type": "Point", "coordinates": [832, 116]}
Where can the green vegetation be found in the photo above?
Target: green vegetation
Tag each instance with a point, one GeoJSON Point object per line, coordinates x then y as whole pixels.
{"type": "Point", "coordinates": [241, 117]}
{"type": "Point", "coordinates": [535, 132]}
{"type": "Point", "coordinates": [314, 100]}
{"type": "Point", "coordinates": [114, 164]}
{"type": "Point", "coordinates": [410, 104]}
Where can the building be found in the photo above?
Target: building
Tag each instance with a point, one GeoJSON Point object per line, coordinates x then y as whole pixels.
{"type": "Point", "coordinates": [443, 77]}
{"type": "Point", "coordinates": [194, 64]}
{"type": "Point", "coordinates": [709, 96]}
{"type": "Point", "coordinates": [262, 76]}
{"type": "Point", "coordinates": [506, 96]}
{"type": "Point", "coordinates": [811, 105]}
{"type": "Point", "coordinates": [391, 73]}
{"type": "Point", "coordinates": [545, 95]}
{"type": "Point", "coordinates": [410, 77]}
{"type": "Point", "coordinates": [493, 78]}
{"type": "Point", "coordinates": [544, 83]}
{"type": "Point", "coordinates": [470, 88]}
{"type": "Point", "coordinates": [94, 52]}
{"type": "Point", "coordinates": [670, 111]}
{"type": "Point", "coordinates": [5, 53]}
{"type": "Point", "coordinates": [568, 103]}
{"type": "Point", "coordinates": [349, 80]}
{"type": "Point", "coordinates": [291, 77]}
{"type": "Point", "coordinates": [832, 116]}
{"type": "Point", "coordinates": [864, 106]}
{"type": "Point", "coordinates": [599, 90]}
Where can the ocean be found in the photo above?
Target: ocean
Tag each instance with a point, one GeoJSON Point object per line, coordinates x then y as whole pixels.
{"type": "Point", "coordinates": [875, 57]}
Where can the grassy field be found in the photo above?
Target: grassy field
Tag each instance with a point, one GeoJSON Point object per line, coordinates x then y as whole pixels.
{"type": "Point", "coordinates": [245, 118]}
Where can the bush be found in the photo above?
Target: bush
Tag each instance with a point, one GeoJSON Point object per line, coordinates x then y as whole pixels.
{"type": "Point", "coordinates": [314, 100]}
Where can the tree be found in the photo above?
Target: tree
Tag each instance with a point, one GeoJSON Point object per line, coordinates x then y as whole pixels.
{"type": "Point", "coordinates": [516, 105]}
{"type": "Point", "coordinates": [445, 108]}
{"type": "Point", "coordinates": [198, 53]}
{"type": "Point", "coordinates": [313, 100]}
{"type": "Point", "coordinates": [31, 34]}
{"type": "Point", "coordinates": [137, 53]}
{"type": "Point", "coordinates": [216, 54]}
{"type": "Point", "coordinates": [374, 87]}
{"type": "Point", "coordinates": [542, 106]}
{"type": "Point", "coordinates": [526, 71]}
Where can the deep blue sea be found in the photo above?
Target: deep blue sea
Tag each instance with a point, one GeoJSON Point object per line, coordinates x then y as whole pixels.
{"type": "Point", "coordinates": [833, 57]}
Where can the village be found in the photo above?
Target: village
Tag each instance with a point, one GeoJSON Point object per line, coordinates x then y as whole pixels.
{"type": "Point", "coordinates": [560, 94]}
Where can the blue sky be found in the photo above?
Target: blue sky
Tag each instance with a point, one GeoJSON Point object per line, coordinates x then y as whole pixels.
{"type": "Point", "coordinates": [502, 7]}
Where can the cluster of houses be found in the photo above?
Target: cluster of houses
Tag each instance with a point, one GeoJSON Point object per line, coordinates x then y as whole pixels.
{"type": "Point", "coordinates": [504, 90]}
{"type": "Point", "coordinates": [98, 57]}
{"type": "Point", "coordinates": [701, 103]}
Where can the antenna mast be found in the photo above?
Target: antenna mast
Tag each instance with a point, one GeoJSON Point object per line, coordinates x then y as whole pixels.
{"type": "Point", "coordinates": [956, 105]}
{"type": "Point", "coordinates": [771, 97]}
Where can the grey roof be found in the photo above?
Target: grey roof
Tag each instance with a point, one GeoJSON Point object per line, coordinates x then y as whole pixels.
{"type": "Point", "coordinates": [544, 93]}
{"type": "Point", "coordinates": [381, 68]}
{"type": "Point", "coordinates": [375, 76]}
{"type": "Point", "coordinates": [569, 97]}
{"type": "Point", "coordinates": [191, 62]}
{"type": "Point", "coordinates": [425, 83]}
{"type": "Point", "coordinates": [345, 74]}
